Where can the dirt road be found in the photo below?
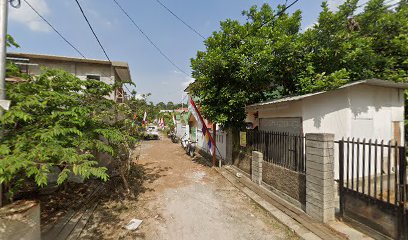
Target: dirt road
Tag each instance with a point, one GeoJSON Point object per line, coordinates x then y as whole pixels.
{"type": "Point", "coordinates": [182, 198]}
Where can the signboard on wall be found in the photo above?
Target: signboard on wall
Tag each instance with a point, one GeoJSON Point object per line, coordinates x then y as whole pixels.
{"type": "Point", "coordinates": [242, 139]}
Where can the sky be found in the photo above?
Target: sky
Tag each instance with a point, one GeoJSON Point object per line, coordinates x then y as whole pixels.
{"type": "Point", "coordinates": [150, 71]}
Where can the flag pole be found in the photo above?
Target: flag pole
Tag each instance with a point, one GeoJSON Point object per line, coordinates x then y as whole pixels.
{"type": "Point", "coordinates": [214, 156]}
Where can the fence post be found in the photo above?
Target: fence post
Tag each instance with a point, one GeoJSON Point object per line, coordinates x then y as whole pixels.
{"type": "Point", "coordinates": [320, 176]}
{"type": "Point", "coordinates": [402, 171]}
{"type": "Point", "coordinates": [256, 174]}
{"type": "Point", "coordinates": [229, 145]}
{"type": "Point", "coordinates": [341, 176]}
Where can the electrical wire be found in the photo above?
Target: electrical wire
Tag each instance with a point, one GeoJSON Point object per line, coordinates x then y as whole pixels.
{"type": "Point", "coordinates": [90, 26]}
{"type": "Point", "coordinates": [181, 20]}
{"type": "Point", "coordinates": [130, 92]}
{"type": "Point", "coordinates": [69, 43]}
{"type": "Point", "coordinates": [149, 40]}
{"type": "Point", "coordinates": [276, 15]}
{"type": "Point", "coordinates": [53, 28]}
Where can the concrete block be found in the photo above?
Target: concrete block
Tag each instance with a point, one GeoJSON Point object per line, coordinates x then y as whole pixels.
{"type": "Point", "coordinates": [321, 200]}
{"type": "Point", "coordinates": [323, 152]}
{"type": "Point", "coordinates": [328, 189]}
{"type": "Point", "coordinates": [319, 159]}
{"type": "Point", "coordinates": [20, 220]}
{"type": "Point", "coordinates": [318, 144]}
{"type": "Point", "coordinates": [323, 215]}
{"type": "Point", "coordinates": [320, 166]}
{"type": "Point", "coordinates": [257, 155]}
{"type": "Point", "coordinates": [317, 180]}
{"type": "Point", "coordinates": [319, 174]}
{"type": "Point", "coordinates": [322, 137]}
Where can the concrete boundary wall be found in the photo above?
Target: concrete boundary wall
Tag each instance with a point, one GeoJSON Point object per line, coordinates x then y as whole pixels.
{"type": "Point", "coordinates": [315, 189]}
{"type": "Point", "coordinates": [287, 181]}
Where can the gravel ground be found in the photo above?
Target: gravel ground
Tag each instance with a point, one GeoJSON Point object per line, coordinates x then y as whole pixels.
{"type": "Point", "coordinates": [181, 198]}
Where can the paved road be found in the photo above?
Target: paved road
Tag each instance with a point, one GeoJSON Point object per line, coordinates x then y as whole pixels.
{"type": "Point", "coordinates": [188, 200]}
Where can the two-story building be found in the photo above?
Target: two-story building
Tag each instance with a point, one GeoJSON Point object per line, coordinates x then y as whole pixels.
{"type": "Point", "coordinates": [105, 71]}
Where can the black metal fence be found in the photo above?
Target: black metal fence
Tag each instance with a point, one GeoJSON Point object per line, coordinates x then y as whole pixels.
{"type": "Point", "coordinates": [280, 148]}
{"type": "Point", "coordinates": [372, 184]}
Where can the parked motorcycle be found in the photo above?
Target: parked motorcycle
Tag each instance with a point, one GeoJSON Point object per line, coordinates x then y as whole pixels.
{"type": "Point", "coordinates": [191, 147]}
{"type": "Point", "coordinates": [184, 141]}
{"type": "Point", "coordinates": [173, 137]}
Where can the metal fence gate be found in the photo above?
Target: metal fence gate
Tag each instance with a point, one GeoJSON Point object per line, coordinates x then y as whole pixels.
{"type": "Point", "coordinates": [373, 185]}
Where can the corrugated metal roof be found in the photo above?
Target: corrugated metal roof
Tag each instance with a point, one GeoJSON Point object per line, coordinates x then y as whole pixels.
{"type": "Point", "coordinates": [372, 82]}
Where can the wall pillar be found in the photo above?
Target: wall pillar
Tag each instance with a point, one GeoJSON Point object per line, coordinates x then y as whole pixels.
{"type": "Point", "coordinates": [256, 174]}
{"type": "Point", "coordinates": [320, 176]}
{"type": "Point", "coordinates": [229, 146]}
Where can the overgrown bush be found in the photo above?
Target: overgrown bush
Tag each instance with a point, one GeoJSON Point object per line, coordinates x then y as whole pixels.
{"type": "Point", "coordinates": [58, 120]}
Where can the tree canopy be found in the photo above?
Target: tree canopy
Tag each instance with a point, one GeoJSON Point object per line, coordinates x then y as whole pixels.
{"type": "Point", "coordinates": [269, 56]}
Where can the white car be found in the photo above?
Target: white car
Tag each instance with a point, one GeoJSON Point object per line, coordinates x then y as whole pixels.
{"type": "Point", "coordinates": [153, 132]}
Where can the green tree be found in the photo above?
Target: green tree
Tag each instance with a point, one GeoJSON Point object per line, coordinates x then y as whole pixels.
{"type": "Point", "coordinates": [58, 120]}
{"type": "Point", "coordinates": [269, 56]}
{"type": "Point", "coordinates": [239, 65]}
{"type": "Point", "coordinates": [170, 105]}
{"type": "Point", "coordinates": [140, 105]}
{"type": "Point", "coordinates": [161, 106]}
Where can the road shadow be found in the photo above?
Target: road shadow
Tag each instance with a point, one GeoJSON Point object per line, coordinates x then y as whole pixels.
{"type": "Point", "coordinates": [203, 159]}
{"type": "Point", "coordinates": [114, 201]}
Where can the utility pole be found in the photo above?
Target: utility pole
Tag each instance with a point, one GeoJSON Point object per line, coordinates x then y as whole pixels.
{"type": "Point", "coordinates": [3, 40]}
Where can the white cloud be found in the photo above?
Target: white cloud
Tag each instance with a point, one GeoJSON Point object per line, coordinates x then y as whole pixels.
{"type": "Point", "coordinates": [139, 96]}
{"type": "Point", "coordinates": [25, 15]}
{"type": "Point", "coordinates": [187, 82]}
{"type": "Point", "coordinates": [334, 4]}
{"type": "Point", "coordinates": [311, 25]}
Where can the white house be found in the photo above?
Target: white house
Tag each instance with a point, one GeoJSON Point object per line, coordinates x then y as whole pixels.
{"type": "Point", "coordinates": [371, 109]}
{"type": "Point", "coordinates": [364, 109]}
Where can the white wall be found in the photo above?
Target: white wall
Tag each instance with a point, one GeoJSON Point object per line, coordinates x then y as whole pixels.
{"type": "Point", "coordinates": [181, 129]}
{"type": "Point", "coordinates": [360, 111]}
{"type": "Point", "coordinates": [79, 69]}
{"type": "Point", "coordinates": [221, 142]}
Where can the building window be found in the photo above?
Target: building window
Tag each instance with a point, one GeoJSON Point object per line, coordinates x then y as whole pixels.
{"type": "Point", "coordinates": [93, 77]}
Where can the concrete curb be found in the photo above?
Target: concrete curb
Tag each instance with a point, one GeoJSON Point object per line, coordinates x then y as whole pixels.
{"type": "Point", "coordinates": [293, 225]}
{"type": "Point", "coordinates": [288, 214]}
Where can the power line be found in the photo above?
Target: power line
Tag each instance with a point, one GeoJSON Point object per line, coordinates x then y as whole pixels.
{"type": "Point", "coordinates": [49, 24]}
{"type": "Point", "coordinates": [130, 92]}
{"type": "Point", "coordinates": [90, 26]}
{"type": "Point", "coordinates": [53, 28]}
{"type": "Point", "coordinates": [181, 20]}
{"type": "Point", "coordinates": [150, 41]}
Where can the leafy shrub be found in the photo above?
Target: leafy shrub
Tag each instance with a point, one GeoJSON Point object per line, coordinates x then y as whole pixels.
{"type": "Point", "coordinates": [59, 120]}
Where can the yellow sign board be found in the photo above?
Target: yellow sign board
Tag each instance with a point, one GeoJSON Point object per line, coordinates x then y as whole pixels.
{"type": "Point", "coordinates": [242, 139]}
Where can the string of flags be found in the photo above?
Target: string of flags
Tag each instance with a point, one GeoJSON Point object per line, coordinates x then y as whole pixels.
{"type": "Point", "coordinates": [194, 110]}
{"type": "Point", "coordinates": [161, 123]}
{"type": "Point", "coordinates": [144, 118]}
